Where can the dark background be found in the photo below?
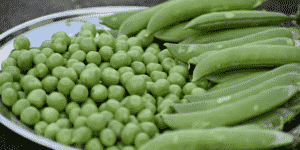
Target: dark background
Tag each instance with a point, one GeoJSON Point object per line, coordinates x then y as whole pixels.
{"type": "Point", "coordinates": [15, 12]}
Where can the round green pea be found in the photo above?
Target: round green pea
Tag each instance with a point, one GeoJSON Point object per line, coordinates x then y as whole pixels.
{"type": "Point", "coordinates": [124, 69]}
{"type": "Point", "coordinates": [135, 104]}
{"type": "Point", "coordinates": [8, 62]}
{"type": "Point", "coordinates": [79, 93]}
{"type": "Point", "coordinates": [71, 106]}
{"type": "Point", "coordinates": [116, 92]}
{"type": "Point", "coordinates": [86, 33]}
{"type": "Point", "coordinates": [15, 71]}
{"type": "Point", "coordinates": [125, 77]}
{"type": "Point", "coordinates": [153, 67]}
{"type": "Point", "coordinates": [64, 136]}
{"type": "Point", "coordinates": [63, 35]}
{"type": "Point", "coordinates": [108, 137]}
{"type": "Point", "coordinates": [135, 55]}
{"type": "Point", "coordinates": [5, 77]}
{"type": "Point", "coordinates": [149, 128]}
{"type": "Point", "coordinates": [9, 96]}
{"type": "Point", "coordinates": [25, 60]}
{"type": "Point", "coordinates": [116, 126]}
{"type": "Point", "coordinates": [47, 51]}
{"type": "Point", "coordinates": [45, 44]}
{"type": "Point", "coordinates": [197, 91]}
{"type": "Point", "coordinates": [155, 75]}
{"type": "Point", "coordinates": [89, 26]}
{"type": "Point", "coordinates": [59, 45]}
{"type": "Point", "coordinates": [108, 115]}
{"type": "Point", "coordinates": [112, 105]}
{"type": "Point", "coordinates": [14, 55]}
{"type": "Point", "coordinates": [173, 97]}
{"type": "Point", "coordinates": [129, 133]}
{"type": "Point", "coordinates": [87, 44]}
{"type": "Point", "coordinates": [134, 41]}
{"type": "Point", "coordinates": [41, 70]}
{"type": "Point", "coordinates": [122, 115]}
{"type": "Point", "coordinates": [136, 85]}
{"type": "Point", "coordinates": [21, 42]}
{"type": "Point", "coordinates": [57, 100]}
{"type": "Point", "coordinates": [176, 89]}
{"type": "Point", "coordinates": [49, 83]}
{"type": "Point", "coordinates": [74, 113]}
{"type": "Point", "coordinates": [81, 135]}
{"type": "Point", "coordinates": [51, 131]}
{"type": "Point", "coordinates": [163, 54]}
{"type": "Point", "coordinates": [188, 87]}
{"type": "Point", "coordinates": [88, 109]}
{"type": "Point", "coordinates": [110, 76]}
{"type": "Point", "coordinates": [19, 106]}
{"type": "Point", "coordinates": [96, 122]}
{"type": "Point", "coordinates": [73, 48]}
{"type": "Point", "coordinates": [149, 58]}
{"type": "Point", "coordinates": [168, 63]}
{"type": "Point", "coordinates": [161, 87]}
{"type": "Point", "coordinates": [93, 57]}
{"type": "Point", "coordinates": [138, 67]}
{"type": "Point", "coordinates": [120, 59]}
{"type": "Point", "coordinates": [106, 53]}
{"type": "Point", "coordinates": [55, 60]}
{"type": "Point", "coordinates": [145, 115]}
{"type": "Point", "coordinates": [49, 114]}
{"type": "Point", "coordinates": [99, 93]}
{"type": "Point", "coordinates": [58, 71]}
{"type": "Point", "coordinates": [138, 48]}
{"type": "Point", "coordinates": [40, 127]}
{"type": "Point", "coordinates": [78, 67]}
{"type": "Point", "coordinates": [79, 55]}
{"type": "Point", "coordinates": [122, 37]}
{"type": "Point", "coordinates": [37, 98]}
{"type": "Point", "coordinates": [180, 69]}
{"type": "Point", "coordinates": [39, 58]}
{"type": "Point", "coordinates": [106, 40]}
{"type": "Point", "coordinates": [63, 123]}
{"type": "Point", "coordinates": [94, 144]}
{"type": "Point", "coordinates": [121, 45]}
{"type": "Point", "coordinates": [90, 76]}
{"type": "Point", "coordinates": [177, 78]}
{"type": "Point", "coordinates": [80, 121]}
{"type": "Point", "coordinates": [151, 107]}
{"type": "Point", "coordinates": [65, 85]}
{"type": "Point", "coordinates": [30, 115]}
{"type": "Point", "coordinates": [140, 139]}
{"type": "Point", "coordinates": [104, 65]}
{"type": "Point", "coordinates": [152, 50]}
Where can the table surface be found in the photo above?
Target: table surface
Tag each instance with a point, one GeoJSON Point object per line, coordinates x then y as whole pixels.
{"type": "Point", "coordinates": [15, 12]}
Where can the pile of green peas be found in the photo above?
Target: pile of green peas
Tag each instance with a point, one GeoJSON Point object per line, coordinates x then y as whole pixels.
{"type": "Point", "coordinates": [94, 91]}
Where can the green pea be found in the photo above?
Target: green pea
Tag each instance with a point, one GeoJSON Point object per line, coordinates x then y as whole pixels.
{"type": "Point", "coordinates": [152, 50]}
{"type": "Point", "coordinates": [16, 86]}
{"type": "Point", "coordinates": [55, 60]}
{"type": "Point", "coordinates": [88, 109]}
{"type": "Point", "coordinates": [58, 71]}
{"type": "Point", "coordinates": [73, 48]}
{"type": "Point", "coordinates": [40, 127]}
{"type": "Point", "coordinates": [5, 77]}
{"type": "Point", "coordinates": [149, 86]}
{"type": "Point", "coordinates": [71, 106]}
{"type": "Point", "coordinates": [47, 51]}
{"type": "Point", "coordinates": [63, 123]}
{"type": "Point", "coordinates": [122, 37]}
{"type": "Point", "coordinates": [136, 85]}
{"type": "Point", "coordinates": [14, 55]}
{"type": "Point", "coordinates": [135, 55]}
{"type": "Point", "coordinates": [15, 71]}
{"type": "Point", "coordinates": [164, 54]}
{"type": "Point", "coordinates": [128, 148]}
{"type": "Point", "coordinates": [57, 100]}
{"type": "Point", "coordinates": [110, 76]}
{"type": "Point", "coordinates": [41, 70]}
{"type": "Point", "coordinates": [46, 44]}
{"type": "Point", "coordinates": [155, 75]}
{"type": "Point", "coordinates": [197, 91]}
{"type": "Point", "coordinates": [31, 83]}
{"type": "Point", "coordinates": [138, 48]}
{"type": "Point", "coordinates": [125, 77]}
{"type": "Point", "coordinates": [104, 65]}
{"type": "Point", "coordinates": [21, 42]}
{"type": "Point", "coordinates": [122, 45]}
{"type": "Point", "coordinates": [79, 93]}
{"type": "Point", "coordinates": [145, 115]}
{"type": "Point", "coordinates": [25, 60]}
{"type": "Point", "coordinates": [49, 114]}
{"type": "Point", "coordinates": [90, 76]}
{"type": "Point", "coordinates": [59, 45]}
{"type": "Point", "coordinates": [108, 137]}
{"type": "Point", "coordinates": [112, 105]}
{"type": "Point", "coordinates": [99, 93]}
{"type": "Point", "coordinates": [79, 55]}
{"type": "Point", "coordinates": [65, 85]}
{"type": "Point", "coordinates": [7, 85]}
{"type": "Point", "coordinates": [124, 69]}
{"type": "Point", "coordinates": [122, 115]}
{"type": "Point", "coordinates": [164, 107]}
{"type": "Point", "coordinates": [168, 63]}
{"type": "Point", "coordinates": [153, 67]}
{"type": "Point", "coordinates": [129, 133]}
{"type": "Point", "coordinates": [89, 26]}
{"type": "Point", "coordinates": [106, 40]}
{"type": "Point", "coordinates": [108, 115]}
{"type": "Point", "coordinates": [149, 58]}
{"type": "Point", "coordinates": [112, 148]}
{"type": "Point", "coordinates": [19, 106]}
{"type": "Point", "coordinates": [134, 41]}
{"type": "Point", "coordinates": [87, 44]}
{"type": "Point", "coordinates": [96, 122]}
{"type": "Point", "coordinates": [74, 113]}
{"type": "Point", "coordinates": [106, 53]}
{"type": "Point", "coordinates": [37, 98]}
{"type": "Point", "coordinates": [9, 96]}
{"type": "Point", "coordinates": [93, 144]}
{"type": "Point", "coordinates": [30, 115]}
{"type": "Point", "coordinates": [116, 92]}
{"type": "Point", "coordinates": [161, 87]}
{"type": "Point", "coordinates": [81, 135]}
{"type": "Point", "coordinates": [116, 126]}
{"type": "Point", "coordinates": [21, 95]}
{"type": "Point", "coordinates": [49, 83]}
{"type": "Point", "coordinates": [86, 33]}
{"type": "Point", "coordinates": [176, 89]}
{"type": "Point", "coordinates": [135, 104]}
{"type": "Point", "coordinates": [93, 57]}
{"type": "Point", "coordinates": [77, 40]}
{"type": "Point", "coordinates": [64, 136]}
{"type": "Point", "coordinates": [120, 59]}
{"type": "Point", "coordinates": [78, 67]}
{"type": "Point", "coordinates": [151, 107]}
{"type": "Point", "coordinates": [180, 69]}
{"type": "Point", "coordinates": [39, 58]}
{"type": "Point", "coordinates": [177, 78]}
{"type": "Point", "coordinates": [149, 128]}
{"type": "Point", "coordinates": [149, 98]}
{"type": "Point", "coordinates": [80, 121]}
{"type": "Point", "coordinates": [145, 41]}
{"type": "Point", "coordinates": [102, 107]}
{"type": "Point", "coordinates": [8, 62]}
{"type": "Point", "coordinates": [141, 139]}
{"type": "Point", "coordinates": [62, 35]}
{"type": "Point", "coordinates": [138, 67]}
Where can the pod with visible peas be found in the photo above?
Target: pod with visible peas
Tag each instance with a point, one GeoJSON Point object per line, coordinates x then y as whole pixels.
{"type": "Point", "coordinates": [219, 138]}
{"type": "Point", "coordinates": [200, 105]}
{"type": "Point", "coordinates": [184, 52]}
{"type": "Point", "coordinates": [237, 19]}
{"type": "Point", "coordinates": [178, 11]}
{"type": "Point", "coordinates": [233, 113]}
{"type": "Point", "coordinates": [246, 56]}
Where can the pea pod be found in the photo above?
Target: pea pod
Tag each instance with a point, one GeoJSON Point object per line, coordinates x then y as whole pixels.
{"type": "Point", "coordinates": [181, 10]}
{"type": "Point", "coordinates": [200, 105]}
{"type": "Point", "coordinates": [223, 35]}
{"type": "Point", "coordinates": [220, 138]}
{"type": "Point", "coordinates": [184, 52]}
{"type": "Point", "coordinates": [175, 33]}
{"type": "Point", "coordinates": [233, 113]}
{"type": "Point", "coordinates": [237, 19]}
{"type": "Point", "coordinates": [247, 56]}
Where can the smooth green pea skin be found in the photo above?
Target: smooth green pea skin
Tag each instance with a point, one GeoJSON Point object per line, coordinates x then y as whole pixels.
{"type": "Point", "coordinates": [164, 54]}
{"type": "Point", "coordinates": [34, 51]}
{"type": "Point", "coordinates": [88, 109]}
{"type": "Point", "coordinates": [155, 75]}
{"type": "Point", "coordinates": [177, 78]}
{"type": "Point", "coordinates": [96, 122]}
{"type": "Point", "coordinates": [65, 85]}
{"type": "Point", "coordinates": [164, 107]}
{"type": "Point", "coordinates": [9, 96]}
{"type": "Point", "coordinates": [58, 71]}
{"type": "Point", "coordinates": [89, 26]}
{"type": "Point", "coordinates": [78, 67]}
{"type": "Point", "coordinates": [21, 95]}
{"type": "Point", "coordinates": [40, 127]}
{"type": "Point", "coordinates": [134, 41]}
{"type": "Point", "coordinates": [173, 97]}
{"type": "Point", "coordinates": [57, 100]}
{"type": "Point", "coordinates": [41, 70]}
{"type": "Point", "coordinates": [99, 93]}
{"type": "Point", "coordinates": [37, 98]}
{"type": "Point", "coordinates": [39, 58]}
{"type": "Point", "coordinates": [93, 57]}
{"type": "Point", "coordinates": [135, 55]}
{"type": "Point", "coordinates": [14, 70]}
{"type": "Point", "coordinates": [161, 87]}
{"type": "Point", "coordinates": [106, 40]}
{"type": "Point", "coordinates": [73, 48]}
{"type": "Point", "coordinates": [146, 77]}
{"type": "Point", "coordinates": [108, 115]}
{"type": "Point", "coordinates": [21, 42]}
{"type": "Point", "coordinates": [180, 69]}
{"type": "Point", "coordinates": [25, 60]}
{"type": "Point", "coordinates": [47, 51]}
{"type": "Point", "coordinates": [89, 101]}
{"type": "Point", "coordinates": [7, 85]}
{"type": "Point", "coordinates": [90, 76]}
{"type": "Point", "coordinates": [112, 105]}
{"type": "Point", "coordinates": [197, 91]}
{"type": "Point", "coordinates": [80, 55]}
{"type": "Point", "coordinates": [19, 106]}
{"type": "Point", "coordinates": [66, 55]}
{"type": "Point", "coordinates": [149, 128]}
{"type": "Point", "coordinates": [106, 53]}
{"type": "Point", "coordinates": [6, 77]}
{"type": "Point", "coordinates": [122, 115]}
{"type": "Point", "coordinates": [108, 137]}
{"type": "Point", "coordinates": [63, 123]}
{"type": "Point", "coordinates": [49, 83]}
{"type": "Point", "coordinates": [122, 37]}
{"type": "Point", "coordinates": [71, 62]}
{"type": "Point", "coordinates": [63, 35]}
{"type": "Point", "coordinates": [168, 63]}
{"type": "Point", "coordinates": [136, 85]}
{"type": "Point", "coordinates": [138, 48]}
{"type": "Point", "coordinates": [124, 69]}
{"type": "Point", "coordinates": [93, 144]}
{"type": "Point", "coordinates": [135, 104]}
{"type": "Point", "coordinates": [138, 67]}
{"type": "Point", "coordinates": [30, 115]}
{"type": "Point", "coordinates": [81, 135]}
{"type": "Point", "coordinates": [86, 33]}
{"type": "Point", "coordinates": [102, 107]}
{"type": "Point", "coordinates": [145, 115]}
{"type": "Point", "coordinates": [49, 114]}
{"type": "Point", "coordinates": [79, 93]}
{"type": "Point", "coordinates": [59, 45]}
{"type": "Point", "coordinates": [104, 65]}
{"type": "Point", "coordinates": [80, 121]}
{"type": "Point", "coordinates": [121, 45]}
{"type": "Point", "coordinates": [149, 98]}
{"type": "Point", "coordinates": [64, 136]}
{"type": "Point", "coordinates": [70, 106]}
{"type": "Point", "coordinates": [188, 87]}
{"type": "Point", "coordinates": [14, 54]}
{"type": "Point", "coordinates": [32, 84]}
{"type": "Point", "coordinates": [74, 113]}
{"type": "Point", "coordinates": [46, 44]}
{"type": "Point", "coordinates": [153, 67]}
{"type": "Point", "coordinates": [77, 40]}
{"type": "Point", "coordinates": [149, 86]}
{"type": "Point", "coordinates": [31, 72]}
{"type": "Point", "coordinates": [51, 131]}
{"type": "Point", "coordinates": [141, 139]}
{"type": "Point", "coordinates": [71, 74]}
{"type": "Point", "coordinates": [16, 86]}
{"type": "Point", "coordinates": [152, 50]}
{"type": "Point", "coordinates": [55, 60]}
{"type": "Point", "coordinates": [125, 77]}
{"type": "Point", "coordinates": [116, 92]}
{"type": "Point", "coordinates": [129, 133]}
{"type": "Point", "coordinates": [112, 148]}
{"type": "Point", "coordinates": [120, 59]}
{"type": "Point", "coordinates": [116, 126]}
{"type": "Point", "coordinates": [176, 89]}
{"type": "Point", "coordinates": [87, 44]}
{"type": "Point", "coordinates": [128, 148]}
{"type": "Point", "coordinates": [8, 62]}
{"type": "Point", "coordinates": [149, 58]}
{"type": "Point", "coordinates": [110, 76]}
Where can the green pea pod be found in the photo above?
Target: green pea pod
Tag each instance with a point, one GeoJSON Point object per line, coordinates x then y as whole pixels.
{"type": "Point", "coordinates": [247, 56]}
{"type": "Point", "coordinates": [223, 35]}
{"type": "Point", "coordinates": [237, 19]}
{"type": "Point", "coordinates": [178, 11]}
{"type": "Point", "coordinates": [175, 33]}
{"type": "Point", "coordinates": [184, 52]}
{"type": "Point", "coordinates": [219, 138]}
{"type": "Point", "coordinates": [200, 105]}
{"type": "Point", "coordinates": [233, 113]}
{"type": "Point", "coordinates": [115, 20]}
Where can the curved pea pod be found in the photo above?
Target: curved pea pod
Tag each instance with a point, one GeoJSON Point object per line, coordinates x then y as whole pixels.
{"type": "Point", "coordinates": [115, 20]}
{"type": "Point", "coordinates": [223, 35]}
{"type": "Point", "coordinates": [200, 105]}
{"type": "Point", "coordinates": [237, 19]}
{"type": "Point", "coordinates": [184, 52]}
{"type": "Point", "coordinates": [178, 11]}
{"type": "Point", "coordinates": [175, 33]}
{"type": "Point", "coordinates": [220, 138]}
{"type": "Point", "coordinates": [233, 113]}
{"type": "Point", "coordinates": [247, 56]}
